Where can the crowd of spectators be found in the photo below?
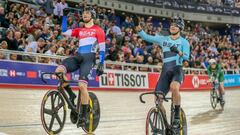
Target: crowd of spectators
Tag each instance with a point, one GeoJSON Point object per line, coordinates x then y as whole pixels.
{"type": "Point", "coordinates": [38, 30]}
{"type": "Point", "coordinates": [221, 3]}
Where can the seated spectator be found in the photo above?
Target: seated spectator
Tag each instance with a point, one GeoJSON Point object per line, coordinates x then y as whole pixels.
{"type": "Point", "coordinates": [2, 56]}
{"type": "Point", "coordinates": [13, 57]}
{"type": "Point", "coordinates": [3, 45]}
{"type": "Point", "coordinates": [34, 47]}
{"type": "Point", "coordinates": [11, 41]}
{"type": "Point", "coordinates": [3, 21]}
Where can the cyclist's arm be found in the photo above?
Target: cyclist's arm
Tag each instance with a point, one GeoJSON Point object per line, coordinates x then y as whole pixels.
{"type": "Point", "coordinates": [70, 32]}
{"type": "Point", "coordinates": [149, 38]}
{"type": "Point", "coordinates": [209, 71]}
{"type": "Point", "coordinates": [102, 46]}
{"type": "Point", "coordinates": [186, 51]}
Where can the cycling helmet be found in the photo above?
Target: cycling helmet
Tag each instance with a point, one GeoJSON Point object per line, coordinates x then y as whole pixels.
{"type": "Point", "coordinates": [93, 12]}
{"type": "Point", "coordinates": [212, 61]}
{"type": "Point", "coordinates": [179, 22]}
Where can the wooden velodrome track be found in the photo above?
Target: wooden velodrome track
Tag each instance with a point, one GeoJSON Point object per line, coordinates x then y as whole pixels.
{"type": "Point", "coordinates": [121, 113]}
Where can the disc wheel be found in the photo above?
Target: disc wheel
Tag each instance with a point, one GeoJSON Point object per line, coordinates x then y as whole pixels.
{"type": "Point", "coordinates": [93, 115]}
{"type": "Point", "coordinates": [53, 112]}
{"type": "Point", "coordinates": [154, 123]}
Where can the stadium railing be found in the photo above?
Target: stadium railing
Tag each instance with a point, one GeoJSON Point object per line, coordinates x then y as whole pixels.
{"type": "Point", "coordinates": [55, 59]}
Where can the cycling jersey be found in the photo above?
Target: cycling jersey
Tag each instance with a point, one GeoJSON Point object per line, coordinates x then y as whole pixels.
{"type": "Point", "coordinates": [90, 39]}
{"type": "Point", "coordinates": [172, 62]}
{"type": "Point", "coordinates": [216, 73]}
{"type": "Point", "coordinates": [170, 59]}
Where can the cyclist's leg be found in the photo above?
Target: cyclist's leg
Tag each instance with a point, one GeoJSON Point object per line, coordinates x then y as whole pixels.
{"type": "Point", "coordinates": [163, 86]}
{"type": "Point", "coordinates": [221, 86]}
{"type": "Point", "coordinates": [68, 65]}
{"type": "Point", "coordinates": [175, 86]}
{"type": "Point", "coordinates": [85, 68]}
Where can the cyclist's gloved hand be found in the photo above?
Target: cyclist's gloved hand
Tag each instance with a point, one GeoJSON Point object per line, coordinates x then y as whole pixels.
{"type": "Point", "coordinates": [174, 49]}
{"type": "Point", "coordinates": [66, 11]}
{"type": "Point", "coordinates": [99, 70]}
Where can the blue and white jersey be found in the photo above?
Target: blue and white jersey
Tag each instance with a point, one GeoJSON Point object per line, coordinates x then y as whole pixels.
{"type": "Point", "coordinates": [170, 59]}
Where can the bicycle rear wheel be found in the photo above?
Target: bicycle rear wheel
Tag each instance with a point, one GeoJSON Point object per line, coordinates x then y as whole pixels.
{"type": "Point", "coordinates": [183, 123]}
{"type": "Point", "coordinates": [213, 98]}
{"type": "Point", "coordinates": [154, 122]}
{"type": "Point", "coordinates": [53, 112]}
{"type": "Point", "coordinates": [94, 114]}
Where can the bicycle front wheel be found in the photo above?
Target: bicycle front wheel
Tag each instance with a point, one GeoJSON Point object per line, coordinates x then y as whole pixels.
{"type": "Point", "coordinates": [213, 98]}
{"type": "Point", "coordinates": [154, 122]}
{"type": "Point", "coordinates": [53, 112]}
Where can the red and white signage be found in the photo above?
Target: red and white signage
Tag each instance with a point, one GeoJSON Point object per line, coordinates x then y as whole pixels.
{"type": "Point", "coordinates": [191, 82]}
{"type": "Point", "coordinates": [124, 79]}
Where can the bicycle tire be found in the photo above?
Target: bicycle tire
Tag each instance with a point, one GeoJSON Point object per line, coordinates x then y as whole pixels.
{"type": "Point", "coordinates": [183, 121]}
{"type": "Point", "coordinates": [158, 123]}
{"type": "Point", "coordinates": [53, 112]}
{"type": "Point", "coordinates": [213, 98]}
{"type": "Point", "coordinates": [96, 113]}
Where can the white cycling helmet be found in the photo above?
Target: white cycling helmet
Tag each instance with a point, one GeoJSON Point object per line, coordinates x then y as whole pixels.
{"type": "Point", "coordinates": [212, 61]}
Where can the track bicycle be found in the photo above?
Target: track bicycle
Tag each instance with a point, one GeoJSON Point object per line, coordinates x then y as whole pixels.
{"type": "Point", "coordinates": [54, 108]}
{"type": "Point", "coordinates": [156, 121]}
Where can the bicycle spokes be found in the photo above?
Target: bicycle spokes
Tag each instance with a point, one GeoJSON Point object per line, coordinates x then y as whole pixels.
{"type": "Point", "coordinates": [154, 123]}
{"type": "Point", "coordinates": [53, 112]}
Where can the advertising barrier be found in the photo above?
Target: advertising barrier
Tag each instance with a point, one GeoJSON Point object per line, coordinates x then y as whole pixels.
{"type": "Point", "coordinates": [29, 74]}
{"type": "Point", "coordinates": [191, 82]}
{"type": "Point", "coordinates": [231, 80]}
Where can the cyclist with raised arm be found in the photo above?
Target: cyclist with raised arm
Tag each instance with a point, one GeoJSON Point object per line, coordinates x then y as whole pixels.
{"type": "Point", "coordinates": [175, 50]}
{"type": "Point", "coordinates": [91, 37]}
{"type": "Point", "coordinates": [215, 73]}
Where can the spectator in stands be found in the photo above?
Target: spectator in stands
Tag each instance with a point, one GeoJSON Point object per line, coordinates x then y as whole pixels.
{"type": "Point", "coordinates": [3, 45]}
{"type": "Point", "coordinates": [3, 21]}
{"type": "Point", "coordinates": [117, 33]}
{"type": "Point", "coordinates": [35, 47]}
{"type": "Point", "coordinates": [51, 50]}
{"type": "Point", "coordinates": [2, 56]}
{"type": "Point", "coordinates": [13, 57]}
{"type": "Point", "coordinates": [58, 11]}
{"type": "Point", "coordinates": [11, 41]}
{"type": "Point", "coordinates": [47, 6]}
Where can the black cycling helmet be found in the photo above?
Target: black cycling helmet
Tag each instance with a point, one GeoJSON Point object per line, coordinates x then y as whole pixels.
{"type": "Point", "coordinates": [179, 22]}
{"type": "Point", "coordinates": [93, 12]}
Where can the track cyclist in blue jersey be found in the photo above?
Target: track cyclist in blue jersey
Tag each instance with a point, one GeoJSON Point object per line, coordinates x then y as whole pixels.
{"type": "Point", "coordinates": [175, 50]}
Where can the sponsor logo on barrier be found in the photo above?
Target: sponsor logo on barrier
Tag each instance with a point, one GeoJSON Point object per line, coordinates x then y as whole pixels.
{"type": "Point", "coordinates": [20, 74]}
{"type": "Point", "coordinates": [12, 73]}
{"type": "Point", "coordinates": [229, 80]}
{"type": "Point", "coordinates": [195, 82]}
{"type": "Point", "coordinates": [31, 74]}
{"type": "Point", "coordinates": [122, 79]}
{"type": "Point", "coordinates": [4, 72]}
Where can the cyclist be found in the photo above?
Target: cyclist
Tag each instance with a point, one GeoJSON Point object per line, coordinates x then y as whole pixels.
{"type": "Point", "coordinates": [215, 73]}
{"type": "Point", "coordinates": [175, 50]}
{"type": "Point", "coordinates": [91, 37]}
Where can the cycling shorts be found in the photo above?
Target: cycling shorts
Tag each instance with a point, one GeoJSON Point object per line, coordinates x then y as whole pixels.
{"type": "Point", "coordinates": [83, 62]}
{"type": "Point", "coordinates": [167, 76]}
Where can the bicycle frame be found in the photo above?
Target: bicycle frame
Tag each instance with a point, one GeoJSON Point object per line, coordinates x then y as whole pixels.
{"type": "Point", "coordinates": [157, 105]}
{"type": "Point", "coordinates": [62, 91]}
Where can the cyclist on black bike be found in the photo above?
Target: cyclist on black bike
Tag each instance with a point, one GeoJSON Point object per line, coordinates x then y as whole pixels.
{"type": "Point", "coordinates": [215, 73]}
{"type": "Point", "coordinates": [91, 37]}
{"type": "Point", "coordinates": [175, 50]}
